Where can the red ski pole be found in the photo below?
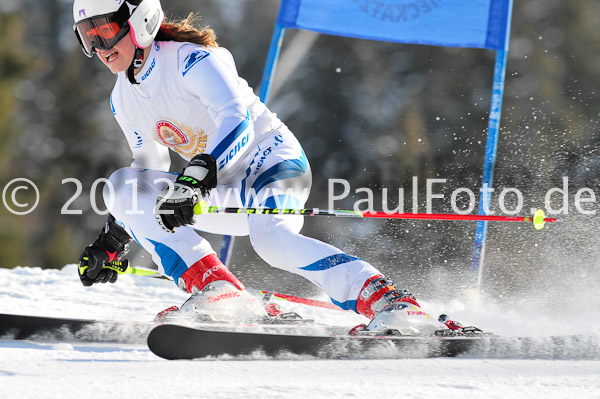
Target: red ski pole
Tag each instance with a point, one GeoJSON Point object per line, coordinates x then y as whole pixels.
{"type": "Point", "coordinates": [538, 219]}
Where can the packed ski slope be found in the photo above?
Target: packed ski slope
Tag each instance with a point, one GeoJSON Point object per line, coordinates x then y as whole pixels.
{"type": "Point", "coordinates": [42, 369]}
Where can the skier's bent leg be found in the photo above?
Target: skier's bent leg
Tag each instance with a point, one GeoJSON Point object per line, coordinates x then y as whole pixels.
{"type": "Point", "coordinates": [184, 255]}
{"type": "Point", "coordinates": [350, 282]}
{"type": "Point", "coordinates": [277, 240]}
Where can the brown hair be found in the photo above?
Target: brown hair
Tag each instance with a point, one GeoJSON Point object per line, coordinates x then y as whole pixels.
{"type": "Point", "coordinates": [183, 30]}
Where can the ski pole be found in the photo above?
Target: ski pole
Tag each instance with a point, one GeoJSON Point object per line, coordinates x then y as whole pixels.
{"type": "Point", "coordinates": [123, 267]}
{"type": "Point", "coordinates": [538, 219]}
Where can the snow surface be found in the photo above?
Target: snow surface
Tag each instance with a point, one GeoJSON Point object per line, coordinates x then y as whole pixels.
{"type": "Point", "coordinates": [39, 369]}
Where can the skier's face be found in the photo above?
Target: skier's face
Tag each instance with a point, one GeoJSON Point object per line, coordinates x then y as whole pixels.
{"type": "Point", "coordinates": [120, 56]}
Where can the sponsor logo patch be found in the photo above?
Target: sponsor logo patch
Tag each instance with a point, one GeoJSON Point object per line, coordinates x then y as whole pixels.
{"type": "Point", "coordinates": [182, 139]}
{"type": "Point", "coordinates": [209, 272]}
{"type": "Point", "coordinates": [149, 71]}
{"type": "Point", "coordinates": [193, 59]}
{"type": "Point", "coordinates": [227, 295]}
{"type": "Point", "coordinates": [233, 152]}
{"type": "Point", "coordinates": [416, 313]}
{"type": "Point", "coordinates": [171, 135]}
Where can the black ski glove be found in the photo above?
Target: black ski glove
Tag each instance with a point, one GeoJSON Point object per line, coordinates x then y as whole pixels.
{"type": "Point", "coordinates": [175, 207]}
{"type": "Point", "coordinates": [112, 244]}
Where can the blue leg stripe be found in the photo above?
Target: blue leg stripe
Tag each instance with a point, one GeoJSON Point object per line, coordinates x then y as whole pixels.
{"type": "Point", "coordinates": [172, 263]}
{"type": "Point", "coordinates": [348, 305]}
{"type": "Point", "coordinates": [283, 170]}
{"type": "Point", "coordinates": [329, 262]}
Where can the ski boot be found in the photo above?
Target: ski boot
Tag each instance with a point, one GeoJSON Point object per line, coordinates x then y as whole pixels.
{"type": "Point", "coordinates": [392, 312]}
{"type": "Point", "coordinates": [217, 296]}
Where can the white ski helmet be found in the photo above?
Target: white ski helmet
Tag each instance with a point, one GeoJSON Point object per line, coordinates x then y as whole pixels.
{"type": "Point", "coordinates": [102, 23]}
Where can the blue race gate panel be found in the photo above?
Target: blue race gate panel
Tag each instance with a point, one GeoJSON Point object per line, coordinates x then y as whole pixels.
{"type": "Point", "coordinates": [448, 23]}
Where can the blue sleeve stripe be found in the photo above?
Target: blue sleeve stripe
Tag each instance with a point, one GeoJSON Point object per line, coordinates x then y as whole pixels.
{"type": "Point", "coordinates": [231, 137]}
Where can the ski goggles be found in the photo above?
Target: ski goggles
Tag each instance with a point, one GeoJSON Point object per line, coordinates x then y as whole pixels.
{"type": "Point", "coordinates": [102, 31]}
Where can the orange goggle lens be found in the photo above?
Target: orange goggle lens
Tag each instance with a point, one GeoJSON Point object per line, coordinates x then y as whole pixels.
{"type": "Point", "coordinates": [106, 31]}
{"type": "Point", "coordinates": [102, 33]}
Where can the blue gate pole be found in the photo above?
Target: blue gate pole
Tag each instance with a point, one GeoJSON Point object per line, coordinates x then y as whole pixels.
{"type": "Point", "coordinates": [491, 148]}
{"type": "Point", "coordinates": [265, 87]}
{"type": "Point", "coordinates": [269, 71]}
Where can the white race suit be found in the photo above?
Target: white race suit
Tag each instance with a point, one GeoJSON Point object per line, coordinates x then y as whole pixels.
{"type": "Point", "coordinates": [191, 100]}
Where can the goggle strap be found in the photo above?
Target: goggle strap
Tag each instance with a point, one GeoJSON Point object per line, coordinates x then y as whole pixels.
{"type": "Point", "coordinates": [82, 45]}
{"type": "Point", "coordinates": [123, 14]}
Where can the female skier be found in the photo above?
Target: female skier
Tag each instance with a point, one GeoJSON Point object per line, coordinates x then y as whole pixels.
{"type": "Point", "coordinates": [177, 90]}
